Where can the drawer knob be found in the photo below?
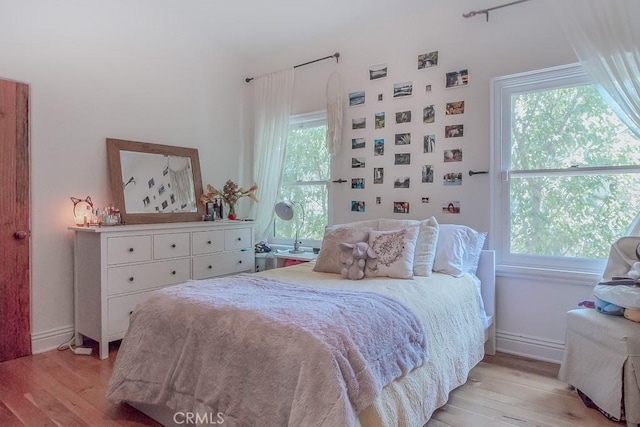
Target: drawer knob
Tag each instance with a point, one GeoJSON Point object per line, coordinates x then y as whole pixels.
{"type": "Point", "coordinates": [173, 245]}
{"type": "Point", "coordinates": [131, 279]}
{"type": "Point", "coordinates": [130, 313]}
{"type": "Point", "coordinates": [208, 242]}
{"type": "Point", "coordinates": [240, 262]}
{"type": "Point", "coordinates": [130, 249]}
{"type": "Point", "coordinates": [239, 239]}
{"type": "Point", "coordinates": [210, 267]}
{"type": "Point", "coordinates": [173, 272]}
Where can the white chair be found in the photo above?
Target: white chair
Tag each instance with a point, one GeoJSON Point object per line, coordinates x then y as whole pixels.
{"type": "Point", "coordinates": [602, 360]}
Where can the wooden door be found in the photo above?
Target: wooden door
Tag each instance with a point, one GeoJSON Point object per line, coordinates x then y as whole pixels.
{"type": "Point", "coordinates": [15, 336]}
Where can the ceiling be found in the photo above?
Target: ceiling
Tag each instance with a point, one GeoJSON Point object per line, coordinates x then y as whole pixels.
{"type": "Point", "coordinates": [263, 25]}
{"type": "Point", "coordinates": [254, 26]}
{"type": "Point", "coordinates": [251, 28]}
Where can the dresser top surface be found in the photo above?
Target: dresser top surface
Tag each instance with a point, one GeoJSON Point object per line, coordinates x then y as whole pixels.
{"type": "Point", "coordinates": [195, 225]}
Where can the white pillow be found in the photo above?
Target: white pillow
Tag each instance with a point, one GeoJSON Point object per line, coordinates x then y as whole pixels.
{"type": "Point", "coordinates": [366, 223]}
{"type": "Point", "coordinates": [394, 251]}
{"type": "Point", "coordinates": [458, 249]}
{"type": "Point", "coordinates": [471, 264]}
{"type": "Point", "coordinates": [426, 243]}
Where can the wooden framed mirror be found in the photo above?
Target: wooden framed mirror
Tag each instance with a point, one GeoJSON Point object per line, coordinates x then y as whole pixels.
{"type": "Point", "coordinates": [154, 183]}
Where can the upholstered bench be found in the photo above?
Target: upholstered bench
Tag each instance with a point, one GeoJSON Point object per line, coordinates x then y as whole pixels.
{"type": "Point", "coordinates": [602, 355]}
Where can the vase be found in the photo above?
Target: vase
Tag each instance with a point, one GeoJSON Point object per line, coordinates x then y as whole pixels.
{"type": "Point", "coordinates": [232, 212]}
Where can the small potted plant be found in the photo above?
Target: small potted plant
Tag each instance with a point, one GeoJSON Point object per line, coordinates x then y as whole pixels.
{"type": "Point", "coordinates": [230, 195]}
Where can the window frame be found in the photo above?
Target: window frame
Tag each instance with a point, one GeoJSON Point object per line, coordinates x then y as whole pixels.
{"type": "Point", "coordinates": [501, 91]}
{"type": "Point", "coordinates": [298, 121]}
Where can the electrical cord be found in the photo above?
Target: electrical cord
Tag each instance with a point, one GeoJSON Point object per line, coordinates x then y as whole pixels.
{"type": "Point", "coordinates": [76, 350]}
{"type": "Point", "coordinates": [67, 345]}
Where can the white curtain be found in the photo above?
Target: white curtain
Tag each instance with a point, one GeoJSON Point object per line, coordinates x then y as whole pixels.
{"type": "Point", "coordinates": [273, 95]}
{"type": "Point", "coordinates": [334, 113]}
{"type": "Point", "coordinates": [605, 35]}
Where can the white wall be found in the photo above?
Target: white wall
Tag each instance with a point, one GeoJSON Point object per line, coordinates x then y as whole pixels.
{"type": "Point", "coordinates": [530, 313]}
{"type": "Point", "coordinates": [125, 70]}
{"type": "Point", "coordinates": [109, 69]}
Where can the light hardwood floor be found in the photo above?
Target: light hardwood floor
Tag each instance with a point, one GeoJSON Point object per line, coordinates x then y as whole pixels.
{"type": "Point", "coordinates": [60, 388]}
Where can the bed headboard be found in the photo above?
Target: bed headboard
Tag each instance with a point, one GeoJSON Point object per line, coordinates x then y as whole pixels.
{"type": "Point", "coordinates": [487, 275]}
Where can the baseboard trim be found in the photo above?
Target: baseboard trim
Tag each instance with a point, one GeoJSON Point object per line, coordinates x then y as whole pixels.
{"type": "Point", "coordinates": [529, 346]}
{"type": "Point", "coordinates": [506, 342]}
{"type": "Point", "coordinates": [51, 339]}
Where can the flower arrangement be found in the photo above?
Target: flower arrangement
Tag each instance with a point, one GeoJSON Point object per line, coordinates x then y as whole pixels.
{"type": "Point", "coordinates": [230, 194]}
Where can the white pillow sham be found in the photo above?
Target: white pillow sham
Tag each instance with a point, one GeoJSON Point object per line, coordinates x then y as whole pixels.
{"type": "Point", "coordinates": [458, 249]}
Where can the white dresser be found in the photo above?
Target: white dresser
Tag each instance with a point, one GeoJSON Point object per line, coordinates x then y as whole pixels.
{"type": "Point", "coordinates": [118, 267]}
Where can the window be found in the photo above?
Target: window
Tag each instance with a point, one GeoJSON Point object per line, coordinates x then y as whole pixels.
{"type": "Point", "coordinates": [570, 171]}
{"type": "Point", "coordinates": [305, 179]}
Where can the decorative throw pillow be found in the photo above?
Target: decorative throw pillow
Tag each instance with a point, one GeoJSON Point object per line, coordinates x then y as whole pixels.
{"type": "Point", "coordinates": [394, 252]}
{"type": "Point", "coordinates": [329, 257]}
{"type": "Point", "coordinates": [425, 252]}
{"type": "Point", "coordinates": [458, 249]}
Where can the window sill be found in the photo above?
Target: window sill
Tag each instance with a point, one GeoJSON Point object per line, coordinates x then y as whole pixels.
{"type": "Point", "coordinates": [579, 278]}
{"type": "Point", "coordinates": [279, 249]}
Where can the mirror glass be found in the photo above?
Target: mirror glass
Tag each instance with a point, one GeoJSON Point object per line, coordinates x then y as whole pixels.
{"type": "Point", "coordinates": [155, 183]}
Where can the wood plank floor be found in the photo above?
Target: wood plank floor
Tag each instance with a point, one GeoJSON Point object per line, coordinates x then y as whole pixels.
{"type": "Point", "coordinates": [58, 388]}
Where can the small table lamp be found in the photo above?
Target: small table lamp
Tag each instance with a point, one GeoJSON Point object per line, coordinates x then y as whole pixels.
{"type": "Point", "coordinates": [82, 211]}
{"type": "Point", "coordinates": [285, 212]}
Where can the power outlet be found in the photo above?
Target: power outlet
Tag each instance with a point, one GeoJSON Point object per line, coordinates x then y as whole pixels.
{"type": "Point", "coordinates": [85, 351]}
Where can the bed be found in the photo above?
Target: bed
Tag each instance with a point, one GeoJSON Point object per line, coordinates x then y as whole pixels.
{"type": "Point", "coordinates": [456, 314]}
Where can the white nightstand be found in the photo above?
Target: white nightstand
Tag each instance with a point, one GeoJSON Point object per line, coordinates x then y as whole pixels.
{"type": "Point", "coordinates": [286, 258]}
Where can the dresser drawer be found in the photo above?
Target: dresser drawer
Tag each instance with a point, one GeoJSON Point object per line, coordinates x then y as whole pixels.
{"type": "Point", "coordinates": [172, 245]}
{"type": "Point", "coordinates": [121, 250]}
{"type": "Point", "coordinates": [239, 238]}
{"type": "Point", "coordinates": [139, 277]}
{"type": "Point", "coordinates": [208, 266]}
{"type": "Point", "coordinates": [207, 242]}
{"type": "Point", "coordinates": [120, 308]}
{"type": "Point", "coordinates": [221, 264]}
{"type": "Point", "coordinates": [240, 261]}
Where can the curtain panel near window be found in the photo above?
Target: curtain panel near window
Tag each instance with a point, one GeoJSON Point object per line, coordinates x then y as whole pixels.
{"type": "Point", "coordinates": [273, 94]}
{"type": "Point", "coordinates": [334, 113]}
{"type": "Point", "coordinates": [605, 37]}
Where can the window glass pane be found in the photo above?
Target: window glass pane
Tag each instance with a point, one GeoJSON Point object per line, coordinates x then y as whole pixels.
{"type": "Point", "coordinates": [305, 179]}
{"type": "Point", "coordinates": [571, 216]}
{"type": "Point", "coordinates": [573, 126]}
{"type": "Point", "coordinates": [307, 157]}
{"type": "Point", "coordinates": [313, 198]}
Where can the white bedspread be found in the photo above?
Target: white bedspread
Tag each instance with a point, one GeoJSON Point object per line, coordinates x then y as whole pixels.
{"type": "Point", "coordinates": [262, 351]}
{"type": "Point", "coordinates": [450, 311]}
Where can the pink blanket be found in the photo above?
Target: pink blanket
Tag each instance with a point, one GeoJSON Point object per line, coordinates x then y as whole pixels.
{"type": "Point", "coordinates": [263, 352]}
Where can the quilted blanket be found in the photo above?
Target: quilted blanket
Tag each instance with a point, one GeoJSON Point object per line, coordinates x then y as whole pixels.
{"type": "Point", "coordinates": [263, 352]}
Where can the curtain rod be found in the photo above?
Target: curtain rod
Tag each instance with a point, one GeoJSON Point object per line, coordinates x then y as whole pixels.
{"type": "Point", "coordinates": [486, 11]}
{"type": "Point", "coordinates": [335, 55]}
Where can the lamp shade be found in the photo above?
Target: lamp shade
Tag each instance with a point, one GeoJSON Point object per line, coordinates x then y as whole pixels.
{"type": "Point", "coordinates": [82, 210]}
{"type": "Point", "coordinates": [284, 210]}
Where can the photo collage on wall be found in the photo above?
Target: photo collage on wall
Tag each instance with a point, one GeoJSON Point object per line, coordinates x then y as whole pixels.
{"type": "Point", "coordinates": [421, 142]}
